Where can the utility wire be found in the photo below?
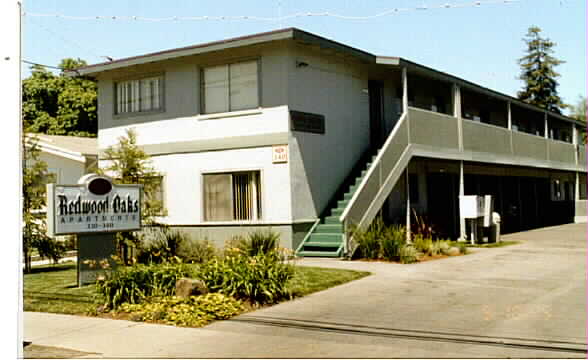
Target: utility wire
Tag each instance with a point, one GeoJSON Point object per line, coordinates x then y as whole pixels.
{"type": "Point", "coordinates": [72, 43]}
{"type": "Point", "coordinates": [279, 18]}
{"type": "Point", "coordinates": [49, 66]}
{"type": "Point", "coordinates": [37, 64]}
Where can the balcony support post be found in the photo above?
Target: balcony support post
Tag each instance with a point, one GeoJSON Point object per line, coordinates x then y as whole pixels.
{"type": "Point", "coordinates": [457, 114]}
{"type": "Point", "coordinates": [509, 116]}
{"type": "Point", "coordinates": [546, 127]}
{"type": "Point", "coordinates": [408, 233]}
{"type": "Point", "coordinates": [577, 187]}
{"type": "Point", "coordinates": [462, 224]}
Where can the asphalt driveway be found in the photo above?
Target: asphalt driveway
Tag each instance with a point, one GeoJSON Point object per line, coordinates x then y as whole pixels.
{"type": "Point", "coordinates": [525, 301]}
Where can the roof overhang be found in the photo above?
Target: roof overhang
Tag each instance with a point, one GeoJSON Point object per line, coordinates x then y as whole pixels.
{"type": "Point", "coordinates": [261, 38]}
{"type": "Point", "coordinates": [55, 150]}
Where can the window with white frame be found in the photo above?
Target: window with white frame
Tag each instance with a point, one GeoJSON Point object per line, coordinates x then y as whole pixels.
{"type": "Point", "coordinates": [230, 87]}
{"type": "Point", "coordinates": [232, 196]}
{"type": "Point", "coordinates": [140, 95]}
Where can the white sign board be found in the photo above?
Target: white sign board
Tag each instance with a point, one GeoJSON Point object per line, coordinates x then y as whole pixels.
{"type": "Point", "coordinates": [279, 154]}
{"type": "Point", "coordinates": [471, 206]}
{"type": "Point", "coordinates": [93, 206]}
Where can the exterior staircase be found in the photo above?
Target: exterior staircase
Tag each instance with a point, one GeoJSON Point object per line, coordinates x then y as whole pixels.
{"type": "Point", "coordinates": [326, 238]}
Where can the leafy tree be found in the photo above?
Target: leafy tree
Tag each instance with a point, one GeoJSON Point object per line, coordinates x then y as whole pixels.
{"type": "Point", "coordinates": [127, 163]}
{"type": "Point", "coordinates": [578, 112]}
{"type": "Point", "coordinates": [34, 180]}
{"type": "Point", "coordinates": [538, 74]}
{"type": "Point", "coordinates": [60, 104]}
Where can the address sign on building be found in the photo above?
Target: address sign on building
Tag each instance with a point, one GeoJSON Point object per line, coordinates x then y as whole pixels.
{"type": "Point", "coordinates": [93, 205]}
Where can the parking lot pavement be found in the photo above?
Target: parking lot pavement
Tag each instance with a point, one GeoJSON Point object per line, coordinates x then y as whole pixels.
{"type": "Point", "coordinates": [523, 301]}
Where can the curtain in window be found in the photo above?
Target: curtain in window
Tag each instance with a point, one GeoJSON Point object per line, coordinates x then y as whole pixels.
{"type": "Point", "coordinates": [216, 89]}
{"type": "Point", "coordinates": [243, 86]}
{"type": "Point", "coordinates": [217, 197]}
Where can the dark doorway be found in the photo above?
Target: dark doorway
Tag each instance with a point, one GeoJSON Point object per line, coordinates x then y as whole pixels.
{"type": "Point", "coordinates": [376, 95]}
{"type": "Point", "coordinates": [443, 191]}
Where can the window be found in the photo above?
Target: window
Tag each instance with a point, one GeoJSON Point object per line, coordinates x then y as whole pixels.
{"type": "Point", "coordinates": [141, 95]}
{"type": "Point", "coordinates": [234, 196]}
{"type": "Point", "coordinates": [230, 87]}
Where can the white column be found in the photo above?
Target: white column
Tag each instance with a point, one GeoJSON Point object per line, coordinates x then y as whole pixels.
{"type": "Point", "coordinates": [462, 224]}
{"type": "Point", "coordinates": [408, 234]}
{"type": "Point", "coordinates": [457, 114]}
{"type": "Point", "coordinates": [546, 127]}
{"type": "Point", "coordinates": [577, 187]}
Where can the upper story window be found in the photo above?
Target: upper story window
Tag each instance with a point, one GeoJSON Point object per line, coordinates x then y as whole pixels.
{"type": "Point", "coordinates": [140, 95]}
{"type": "Point", "coordinates": [230, 87]}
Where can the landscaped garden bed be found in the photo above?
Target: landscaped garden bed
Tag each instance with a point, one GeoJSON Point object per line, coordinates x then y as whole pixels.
{"type": "Point", "coordinates": [247, 275]}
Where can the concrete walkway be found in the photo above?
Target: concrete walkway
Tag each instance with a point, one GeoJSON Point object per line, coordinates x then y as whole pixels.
{"type": "Point", "coordinates": [523, 301]}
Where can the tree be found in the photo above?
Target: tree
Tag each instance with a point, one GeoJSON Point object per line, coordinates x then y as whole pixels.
{"type": "Point", "coordinates": [538, 74]}
{"type": "Point", "coordinates": [578, 112]}
{"type": "Point", "coordinates": [34, 180]}
{"type": "Point", "coordinates": [127, 163]}
{"type": "Point", "coordinates": [60, 104]}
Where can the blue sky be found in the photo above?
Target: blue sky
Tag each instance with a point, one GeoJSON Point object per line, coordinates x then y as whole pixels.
{"type": "Point", "coordinates": [480, 44]}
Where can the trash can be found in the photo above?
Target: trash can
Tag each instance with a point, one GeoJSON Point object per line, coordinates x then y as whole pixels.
{"type": "Point", "coordinates": [495, 228]}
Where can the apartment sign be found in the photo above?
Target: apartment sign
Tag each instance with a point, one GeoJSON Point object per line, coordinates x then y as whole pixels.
{"type": "Point", "coordinates": [279, 154]}
{"type": "Point", "coordinates": [94, 205]}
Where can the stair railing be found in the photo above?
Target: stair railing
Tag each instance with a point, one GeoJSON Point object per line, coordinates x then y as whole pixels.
{"type": "Point", "coordinates": [386, 164]}
{"type": "Point", "coordinates": [308, 235]}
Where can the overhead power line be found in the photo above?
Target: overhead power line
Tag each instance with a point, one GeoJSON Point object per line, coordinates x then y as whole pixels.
{"type": "Point", "coordinates": [278, 18]}
{"type": "Point", "coordinates": [37, 64]}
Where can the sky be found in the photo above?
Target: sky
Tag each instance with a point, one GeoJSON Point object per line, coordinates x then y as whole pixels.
{"type": "Point", "coordinates": [477, 43]}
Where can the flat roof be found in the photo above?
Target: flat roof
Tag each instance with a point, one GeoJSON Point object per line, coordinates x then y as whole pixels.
{"type": "Point", "coordinates": [301, 36]}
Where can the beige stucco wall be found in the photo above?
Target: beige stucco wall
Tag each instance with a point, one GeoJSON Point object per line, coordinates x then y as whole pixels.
{"type": "Point", "coordinates": [336, 88]}
{"type": "Point", "coordinates": [182, 83]}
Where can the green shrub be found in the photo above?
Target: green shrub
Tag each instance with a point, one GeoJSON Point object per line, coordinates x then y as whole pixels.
{"type": "Point", "coordinates": [197, 251]}
{"type": "Point", "coordinates": [193, 311]}
{"type": "Point", "coordinates": [255, 242]}
{"type": "Point", "coordinates": [132, 284]}
{"type": "Point", "coordinates": [408, 254]}
{"type": "Point", "coordinates": [393, 239]}
{"type": "Point", "coordinates": [259, 279]}
{"type": "Point", "coordinates": [422, 244]}
{"type": "Point", "coordinates": [463, 248]}
{"type": "Point", "coordinates": [369, 240]}
{"type": "Point", "coordinates": [160, 244]}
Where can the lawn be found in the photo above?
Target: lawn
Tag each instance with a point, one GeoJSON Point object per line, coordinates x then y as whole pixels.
{"type": "Point", "coordinates": [52, 288]}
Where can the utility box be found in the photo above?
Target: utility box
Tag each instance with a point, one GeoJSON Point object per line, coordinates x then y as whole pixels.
{"type": "Point", "coordinates": [477, 210]}
{"type": "Point", "coordinates": [471, 206]}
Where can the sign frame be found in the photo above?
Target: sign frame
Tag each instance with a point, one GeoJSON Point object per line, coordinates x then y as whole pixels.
{"type": "Point", "coordinates": [52, 211]}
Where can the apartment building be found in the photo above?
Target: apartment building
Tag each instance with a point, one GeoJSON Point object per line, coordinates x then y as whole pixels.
{"type": "Point", "coordinates": [291, 131]}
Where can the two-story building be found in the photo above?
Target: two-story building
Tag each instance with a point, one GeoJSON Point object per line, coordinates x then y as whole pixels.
{"type": "Point", "coordinates": [292, 131]}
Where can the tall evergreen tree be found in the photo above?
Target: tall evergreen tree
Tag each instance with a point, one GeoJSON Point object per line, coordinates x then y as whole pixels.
{"type": "Point", "coordinates": [537, 71]}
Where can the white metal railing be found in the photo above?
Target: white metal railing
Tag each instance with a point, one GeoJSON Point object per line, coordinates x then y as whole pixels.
{"type": "Point", "coordinates": [374, 177]}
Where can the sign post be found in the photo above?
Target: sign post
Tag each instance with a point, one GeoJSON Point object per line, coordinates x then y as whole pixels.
{"type": "Point", "coordinates": [94, 209]}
